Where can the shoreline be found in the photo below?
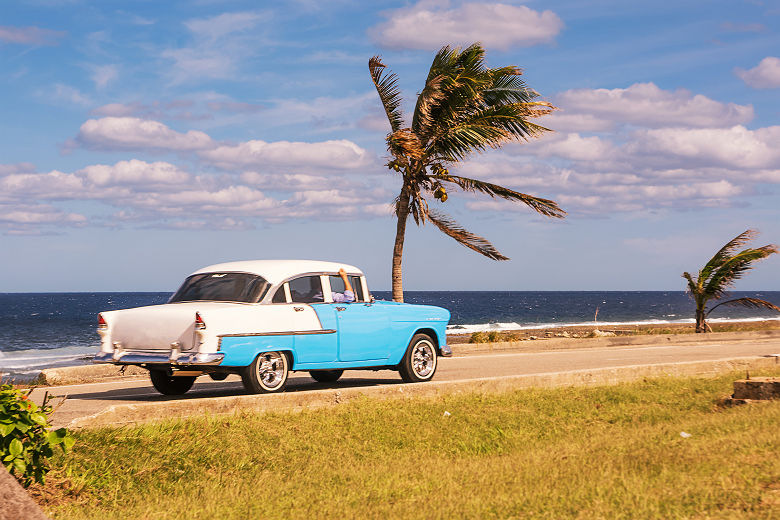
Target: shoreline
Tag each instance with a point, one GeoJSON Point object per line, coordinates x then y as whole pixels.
{"type": "Point", "coordinates": [604, 330]}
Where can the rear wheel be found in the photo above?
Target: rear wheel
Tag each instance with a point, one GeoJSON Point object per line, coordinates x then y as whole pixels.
{"type": "Point", "coordinates": [169, 385]}
{"type": "Point", "coordinates": [266, 374]}
{"type": "Point", "coordinates": [420, 361]}
{"type": "Point", "coordinates": [325, 376]}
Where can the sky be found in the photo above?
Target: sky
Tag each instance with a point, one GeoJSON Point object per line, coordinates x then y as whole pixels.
{"type": "Point", "coordinates": [142, 140]}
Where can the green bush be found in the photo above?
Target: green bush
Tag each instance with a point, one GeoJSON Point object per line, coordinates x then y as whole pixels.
{"type": "Point", "coordinates": [25, 442]}
{"type": "Point", "coordinates": [485, 337]}
{"type": "Point", "coordinates": [478, 337]}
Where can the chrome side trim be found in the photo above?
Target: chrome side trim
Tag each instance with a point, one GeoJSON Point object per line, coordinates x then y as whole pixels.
{"type": "Point", "coordinates": [286, 333]}
{"type": "Point", "coordinates": [168, 357]}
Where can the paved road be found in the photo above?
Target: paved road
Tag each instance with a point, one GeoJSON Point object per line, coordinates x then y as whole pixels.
{"type": "Point", "coordinates": [88, 399]}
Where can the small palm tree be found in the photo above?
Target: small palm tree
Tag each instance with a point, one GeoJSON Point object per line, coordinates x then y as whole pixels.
{"type": "Point", "coordinates": [464, 107]}
{"type": "Point", "coordinates": [720, 273]}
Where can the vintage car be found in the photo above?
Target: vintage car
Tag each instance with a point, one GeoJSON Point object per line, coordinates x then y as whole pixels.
{"type": "Point", "coordinates": [262, 319]}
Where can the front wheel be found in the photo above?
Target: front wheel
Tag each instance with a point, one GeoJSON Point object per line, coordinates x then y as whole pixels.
{"type": "Point", "coordinates": [266, 374]}
{"type": "Point", "coordinates": [420, 361]}
{"type": "Point", "coordinates": [169, 385]}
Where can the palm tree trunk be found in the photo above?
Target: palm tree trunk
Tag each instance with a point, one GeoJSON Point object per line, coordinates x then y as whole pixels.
{"type": "Point", "coordinates": [701, 323]}
{"type": "Point", "coordinates": [398, 248]}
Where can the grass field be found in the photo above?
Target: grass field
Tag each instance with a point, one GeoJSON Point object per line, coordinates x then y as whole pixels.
{"type": "Point", "coordinates": [606, 452]}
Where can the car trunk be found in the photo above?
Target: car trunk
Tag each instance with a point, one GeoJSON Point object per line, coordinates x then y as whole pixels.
{"type": "Point", "coordinates": [155, 327]}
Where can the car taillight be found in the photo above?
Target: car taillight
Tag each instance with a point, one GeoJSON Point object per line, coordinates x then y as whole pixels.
{"type": "Point", "coordinates": [102, 322]}
{"type": "Point", "coordinates": [199, 323]}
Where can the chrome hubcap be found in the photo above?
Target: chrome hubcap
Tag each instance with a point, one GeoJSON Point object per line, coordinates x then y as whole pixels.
{"type": "Point", "coordinates": [271, 369]}
{"type": "Point", "coordinates": [423, 359]}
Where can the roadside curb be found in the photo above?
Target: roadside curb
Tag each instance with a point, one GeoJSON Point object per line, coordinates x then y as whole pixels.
{"type": "Point", "coordinates": [87, 374]}
{"type": "Point", "coordinates": [119, 415]}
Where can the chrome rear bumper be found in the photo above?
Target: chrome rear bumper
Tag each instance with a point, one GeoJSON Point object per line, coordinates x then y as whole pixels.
{"type": "Point", "coordinates": [170, 357]}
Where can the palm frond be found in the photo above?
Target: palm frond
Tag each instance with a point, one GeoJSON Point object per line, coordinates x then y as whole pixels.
{"type": "Point", "coordinates": [693, 286]}
{"type": "Point", "coordinates": [454, 86]}
{"type": "Point", "coordinates": [483, 127]}
{"type": "Point", "coordinates": [427, 101]}
{"type": "Point", "coordinates": [461, 141]}
{"type": "Point", "coordinates": [474, 242]}
{"type": "Point", "coordinates": [388, 90]}
{"type": "Point", "coordinates": [728, 251]}
{"type": "Point", "coordinates": [546, 207]}
{"type": "Point", "coordinates": [734, 268]}
{"type": "Point", "coordinates": [753, 303]}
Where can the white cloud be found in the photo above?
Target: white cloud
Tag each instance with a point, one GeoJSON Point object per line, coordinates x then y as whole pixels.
{"type": "Point", "coordinates": [132, 133]}
{"type": "Point", "coordinates": [764, 75]}
{"type": "Point", "coordinates": [7, 169]}
{"type": "Point", "coordinates": [429, 25]}
{"type": "Point", "coordinates": [161, 194]}
{"type": "Point", "coordinates": [323, 113]}
{"type": "Point", "coordinates": [208, 108]}
{"type": "Point", "coordinates": [134, 173]}
{"type": "Point", "coordinates": [119, 110]}
{"type": "Point", "coordinates": [735, 147]}
{"type": "Point", "coordinates": [66, 93]}
{"type": "Point", "coordinates": [54, 185]}
{"type": "Point", "coordinates": [29, 216]}
{"type": "Point", "coordinates": [219, 26]}
{"type": "Point", "coordinates": [645, 105]}
{"type": "Point", "coordinates": [287, 182]}
{"type": "Point", "coordinates": [102, 75]}
{"type": "Point", "coordinates": [563, 121]}
{"type": "Point", "coordinates": [340, 154]}
{"type": "Point", "coordinates": [30, 35]}
{"type": "Point", "coordinates": [199, 63]}
{"type": "Point", "coordinates": [232, 200]}
{"type": "Point", "coordinates": [220, 43]}
{"type": "Point", "coordinates": [574, 147]}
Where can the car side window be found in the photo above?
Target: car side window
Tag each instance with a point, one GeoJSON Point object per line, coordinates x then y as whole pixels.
{"type": "Point", "coordinates": [357, 287]}
{"type": "Point", "coordinates": [306, 289]}
{"type": "Point", "coordinates": [279, 296]}
{"type": "Point", "coordinates": [336, 284]}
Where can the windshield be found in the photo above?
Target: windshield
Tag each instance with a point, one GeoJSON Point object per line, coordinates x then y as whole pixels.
{"type": "Point", "coordinates": [222, 287]}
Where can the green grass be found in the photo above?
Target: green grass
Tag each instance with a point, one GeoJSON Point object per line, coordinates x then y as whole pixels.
{"type": "Point", "coordinates": [607, 452]}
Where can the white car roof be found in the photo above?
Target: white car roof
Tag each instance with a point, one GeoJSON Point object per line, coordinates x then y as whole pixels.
{"type": "Point", "coordinates": [276, 271]}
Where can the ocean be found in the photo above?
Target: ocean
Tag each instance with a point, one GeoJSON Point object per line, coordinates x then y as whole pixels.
{"type": "Point", "coordinates": [44, 330]}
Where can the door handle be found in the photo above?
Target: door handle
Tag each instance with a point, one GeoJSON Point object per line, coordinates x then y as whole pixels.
{"type": "Point", "coordinates": [298, 309]}
{"type": "Point", "coordinates": [341, 308]}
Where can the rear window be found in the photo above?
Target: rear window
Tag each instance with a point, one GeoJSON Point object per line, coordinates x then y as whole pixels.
{"type": "Point", "coordinates": [221, 287]}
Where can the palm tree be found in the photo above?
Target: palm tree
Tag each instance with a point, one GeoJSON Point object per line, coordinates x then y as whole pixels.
{"type": "Point", "coordinates": [464, 107]}
{"type": "Point", "coordinates": [720, 273]}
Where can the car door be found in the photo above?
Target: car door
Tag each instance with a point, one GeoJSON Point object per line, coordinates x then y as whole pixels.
{"type": "Point", "coordinates": [363, 331]}
{"type": "Point", "coordinates": [364, 328]}
{"type": "Point", "coordinates": [322, 347]}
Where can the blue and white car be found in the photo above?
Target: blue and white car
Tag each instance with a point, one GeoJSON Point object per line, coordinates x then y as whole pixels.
{"type": "Point", "coordinates": [262, 319]}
